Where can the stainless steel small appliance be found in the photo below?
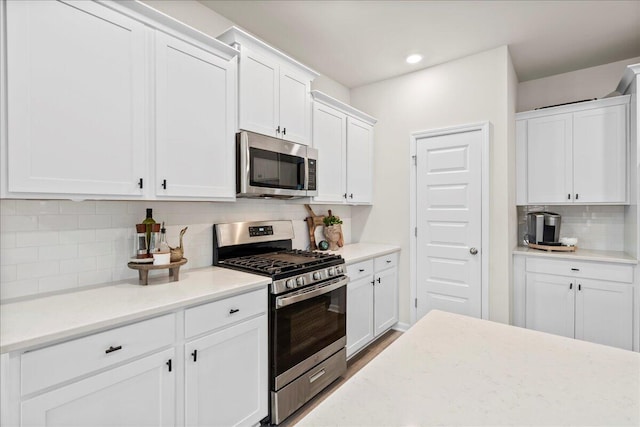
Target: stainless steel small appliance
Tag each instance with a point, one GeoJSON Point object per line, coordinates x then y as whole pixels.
{"type": "Point", "coordinates": [307, 308]}
{"type": "Point", "coordinates": [272, 167]}
{"type": "Point", "coordinates": [543, 228]}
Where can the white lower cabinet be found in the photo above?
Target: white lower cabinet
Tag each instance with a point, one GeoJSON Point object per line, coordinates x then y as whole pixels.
{"type": "Point", "coordinates": [591, 301]}
{"type": "Point", "coordinates": [226, 381]}
{"type": "Point", "coordinates": [140, 393]}
{"type": "Point", "coordinates": [372, 300]}
{"type": "Point", "coordinates": [134, 375]}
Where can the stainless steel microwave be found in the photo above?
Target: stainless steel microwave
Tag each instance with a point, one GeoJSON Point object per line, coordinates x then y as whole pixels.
{"type": "Point", "coordinates": [272, 167]}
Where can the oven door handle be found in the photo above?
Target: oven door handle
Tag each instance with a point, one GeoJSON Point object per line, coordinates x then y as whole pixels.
{"type": "Point", "coordinates": [285, 301]}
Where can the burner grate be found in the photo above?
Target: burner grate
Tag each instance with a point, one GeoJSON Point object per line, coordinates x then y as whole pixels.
{"type": "Point", "coordinates": [280, 262]}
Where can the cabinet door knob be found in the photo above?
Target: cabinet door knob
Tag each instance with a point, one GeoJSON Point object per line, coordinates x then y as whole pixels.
{"type": "Point", "coordinates": [577, 196]}
{"type": "Point", "coordinates": [140, 183]}
{"type": "Point", "coordinates": [351, 196]}
{"type": "Point", "coordinates": [570, 285]}
{"type": "Point", "coordinates": [344, 195]}
{"type": "Point", "coordinates": [278, 129]}
{"type": "Point", "coordinates": [378, 279]}
{"type": "Point", "coordinates": [569, 196]}
{"type": "Point", "coordinates": [284, 131]}
{"type": "Point", "coordinates": [473, 251]}
{"type": "Point", "coordinates": [164, 184]}
{"type": "Point", "coordinates": [169, 364]}
{"type": "Point", "coordinates": [195, 355]}
{"type": "Point", "coordinates": [579, 287]}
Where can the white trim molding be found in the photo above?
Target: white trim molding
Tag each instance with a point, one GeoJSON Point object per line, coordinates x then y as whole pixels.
{"type": "Point", "coordinates": [485, 130]}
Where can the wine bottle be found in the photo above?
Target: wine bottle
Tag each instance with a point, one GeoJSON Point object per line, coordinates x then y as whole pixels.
{"type": "Point", "coordinates": [148, 221]}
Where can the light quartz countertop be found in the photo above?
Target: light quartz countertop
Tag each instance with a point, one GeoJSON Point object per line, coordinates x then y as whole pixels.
{"type": "Point", "coordinates": [357, 252]}
{"type": "Point", "coordinates": [455, 370]}
{"type": "Point", "coordinates": [579, 254]}
{"type": "Point", "coordinates": [34, 322]}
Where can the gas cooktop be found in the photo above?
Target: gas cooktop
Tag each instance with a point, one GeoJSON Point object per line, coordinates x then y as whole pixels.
{"type": "Point", "coordinates": [282, 263]}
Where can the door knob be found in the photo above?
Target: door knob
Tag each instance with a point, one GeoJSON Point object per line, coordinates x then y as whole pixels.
{"type": "Point", "coordinates": [473, 251]}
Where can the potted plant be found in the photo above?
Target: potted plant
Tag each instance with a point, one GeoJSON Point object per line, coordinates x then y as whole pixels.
{"type": "Point", "coordinates": [333, 231]}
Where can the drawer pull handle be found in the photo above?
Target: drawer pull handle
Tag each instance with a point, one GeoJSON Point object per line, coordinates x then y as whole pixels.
{"type": "Point", "coordinates": [111, 349]}
{"type": "Point", "coordinates": [570, 286]}
{"type": "Point", "coordinates": [575, 269]}
{"type": "Point", "coordinates": [388, 261]}
{"type": "Point", "coordinates": [195, 355]}
{"type": "Point", "coordinates": [317, 375]}
{"type": "Point", "coordinates": [234, 310]}
{"type": "Point", "coordinates": [361, 270]}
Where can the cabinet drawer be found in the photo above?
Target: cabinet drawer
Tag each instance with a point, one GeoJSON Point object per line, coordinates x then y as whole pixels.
{"type": "Point", "coordinates": [208, 317]}
{"type": "Point", "coordinates": [386, 261]}
{"type": "Point", "coordinates": [582, 269]}
{"type": "Point", "coordinates": [61, 362]}
{"type": "Point", "coordinates": [359, 270]}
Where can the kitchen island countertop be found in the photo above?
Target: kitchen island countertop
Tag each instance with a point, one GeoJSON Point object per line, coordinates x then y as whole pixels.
{"type": "Point", "coordinates": [455, 370]}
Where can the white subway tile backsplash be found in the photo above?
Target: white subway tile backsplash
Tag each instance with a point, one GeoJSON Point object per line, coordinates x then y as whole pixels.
{"type": "Point", "coordinates": [14, 256]}
{"type": "Point", "coordinates": [77, 265]}
{"type": "Point", "coordinates": [18, 223]}
{"type": "Point", "coordinates": [8, 273]}
{"type": "Point", "coordinates": [94, 249]}
{"type": "Point", "coordinates": [18, 288]}
{"type": "Point", "coordinates": [58, 222]}
{"type": "Point", "coordinates": [88, 278]}
{"type": "Point", "coordinates": [94, 221]}
{"type": "Point", "coordinates": [65, 244]}
{"type": "Point", "coordinates": [7, 207]}
{"type": "Point", "coordinates": [37, 238]}
{"type": "Point", "coordinates": [71, 207]}
{"type": "Point", "coordinates": [8, 240]}
{"type": "Point", "coordinates": [37, 207]}
{"type": "Point", "coordinates": [56, 252]}
{"type": "Point", "coordinates": [77, 236]}
{"type": "Point", "coordinates": [38, 269]}
{"type": "Point", "coordinates": [58, 283]}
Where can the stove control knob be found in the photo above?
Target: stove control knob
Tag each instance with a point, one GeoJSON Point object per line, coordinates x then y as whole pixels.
{"type": "Point", "coordinates": [300, 281]}
{"type": "Point", "coordinates": [317, 275]}
{"type": "Point", "coordinates": [339, 270]}
{"type": "Point", "coordinates": [290, 284]}
{"type": "Point", "coordinates": [331, 271]}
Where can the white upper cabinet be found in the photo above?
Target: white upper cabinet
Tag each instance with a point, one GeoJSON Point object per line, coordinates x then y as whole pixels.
{"type": "Point", "coordinates": [344, 139]}
{"type": "Point", "coordinates": [195, 121]}
{"type": "Point", "coordinates": [82, 79]}
{"type": "Point", "coordinates": [573, 154]}
{"type": "Point", "coordinates": [76, 99]}
{"type": "Point", "coordinates": [274, 89]}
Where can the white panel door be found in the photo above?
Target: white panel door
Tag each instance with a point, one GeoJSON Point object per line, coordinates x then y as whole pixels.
{"type": "Point", "coordinates": [140, 393]}
{"type": "Point", "coordinates": [385, 298]}
{"type": "Point", "coordinates": [330, 138]}
{"type": "Point", "coordinates": [549, 159]}
{"type": "Point", "coordinates": [295, 107]}
{"type": "Point", "coordinates": [600, 155]}
{"type": "Point", "coordinates": [359, 314]}
{"type": "Point", "coordinates": [449, 213]}
{"type": "Point", "coordinates": [226, 380]}
{"type": "Point", "coordinates": [359, 161]}
{"type": "Point", "coordinates": [76, 99]}
{"type": "Point", "coordinates": [195, 124]}
{"type": "Point", "coordinates": [604, 313]}
{"type": "Point", "coordinates": [259, 93]}
{"type": "Point", "coordinates": [549, 303]}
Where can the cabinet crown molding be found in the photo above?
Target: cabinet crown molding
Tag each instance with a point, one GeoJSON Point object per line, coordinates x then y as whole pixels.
{"type": "Point", "coordinates": [629, 74]}
{"type": "Point", "coordinates": [572, 108]}
{"type": "Point", "coordinates": [236, 35]}
{"type": "Point", "coordinates": [341, 106]}
{"type": "Point", "coordinates": [165, 23]}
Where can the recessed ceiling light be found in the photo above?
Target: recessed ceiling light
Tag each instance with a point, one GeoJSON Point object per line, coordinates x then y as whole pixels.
{"type": "Point", "coordinates": [414, 59]}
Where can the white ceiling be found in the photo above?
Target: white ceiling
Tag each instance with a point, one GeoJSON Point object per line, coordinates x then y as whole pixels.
{"type": "Point", "coordinates": [360, 42]}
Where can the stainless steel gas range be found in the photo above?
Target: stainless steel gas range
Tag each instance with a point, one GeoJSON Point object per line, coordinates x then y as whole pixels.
{"type": "Point", "coordinates": [307, 308]}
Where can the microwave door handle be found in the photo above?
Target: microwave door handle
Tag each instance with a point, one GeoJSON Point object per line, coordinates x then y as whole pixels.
{"type": "Point", "coordinates": [285, 301]}
{"type": "Point", "coordinates": [306, 173]}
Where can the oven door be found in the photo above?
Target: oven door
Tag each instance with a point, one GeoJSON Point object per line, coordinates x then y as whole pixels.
{"type": "Point", "coordinates": [271, 167]}
{"type": "Point", "coordinates": [308, 326]}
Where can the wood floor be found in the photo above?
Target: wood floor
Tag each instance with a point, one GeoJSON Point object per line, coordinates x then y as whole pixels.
{"type": "Point", "coordinates": [356, 363]}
